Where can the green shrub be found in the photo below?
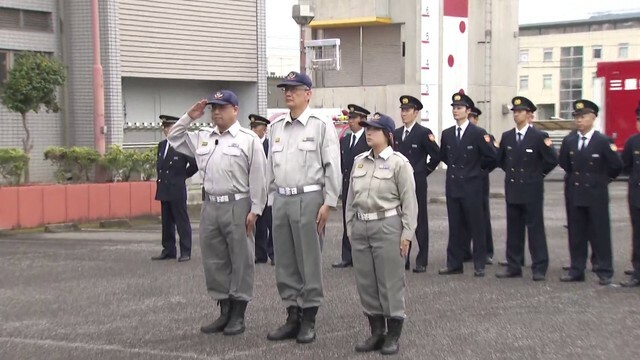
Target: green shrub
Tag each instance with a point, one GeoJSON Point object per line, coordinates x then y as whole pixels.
{"type": "Point", "coordinates": [120, 163]}
{"type": "Point", "coordinates": [73, 164]}
{"type": "Point", "coordinates": [147, 163]}
{"type": "Point", "coordinates": [13, 163]}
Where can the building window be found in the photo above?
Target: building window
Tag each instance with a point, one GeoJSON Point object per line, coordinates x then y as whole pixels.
{"type": "Point", "coordinates": [547, 81]}
{"type": "Point", "coordinates": [623, 51]}
{"type": "Point", "coordinates": [5, 62]}
{"type": "Point", "coordinates": [547, 55]}
{"type": "Point", "coordinates": [25, 20]}
{"type": "Point", "coordinates": [597, 52]}
{"type": "Point", "coordinates": [524, 56]}
{"type": "Point", "coordinates": [524, 82]}
{"type": "Point", "coordinates": [546, 111]}
{"type": "Point", "coordinates": [571, 69]}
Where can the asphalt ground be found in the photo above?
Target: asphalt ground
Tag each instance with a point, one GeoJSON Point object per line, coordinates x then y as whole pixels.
{"type": "Point", "coordinates": [95, 294]}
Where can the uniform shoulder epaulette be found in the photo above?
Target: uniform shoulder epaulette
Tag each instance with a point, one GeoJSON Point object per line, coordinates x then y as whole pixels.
{"type": "Point", "coordinates": [207, 129]}
{"type": "Point", "coordinates": [247, 131]}
{"type": "Point", "coordinates": [279, 118]}
{"type": "Point", "coordinates": [399, 154]}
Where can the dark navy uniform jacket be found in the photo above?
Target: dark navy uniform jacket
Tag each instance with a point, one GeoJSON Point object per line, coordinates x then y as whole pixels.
{"type": "Point", "coordinates": [467, 161]}
{"type": "Point", "coordinates": [631, 160]}
{"type": "Point", "coordinates": [590, 170]}
{"type": "Point", "coordinates": [173, 170]}
{"type": "Point", "coordinates": [347, 155]}
{"type": "Point", "coordinates": [416, 146]}
{"type": "Point", "coordinates": [525, 164]}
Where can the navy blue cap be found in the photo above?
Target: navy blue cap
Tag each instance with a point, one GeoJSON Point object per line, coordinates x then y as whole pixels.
{"type": "Point", "coordinates": [168, 120]}
{"type": "Point", "coordinates": [408, 101]}
{"type": "Point", "coordinates": [380, 121]}
{"type": "Point", "coordinates": [223, 97]}
{"type": "Point", "coordinates": [522, 103]}
{"type": "Point", "coordinates": [296, 79]}
{"type": "Point", "coordinates": [475, 111]}
{"type": "Point", "coordinates": [582, 106]}
{"type": "Point", "coordinates": [355, 110]}
{"type": "Point", "coordinates": [461, 99]}
{"type": "Point", "coordinates": [255, 120]}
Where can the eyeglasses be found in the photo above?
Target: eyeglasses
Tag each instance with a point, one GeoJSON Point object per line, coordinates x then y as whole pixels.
{"type": "Point", "coordinates": [294, 89]}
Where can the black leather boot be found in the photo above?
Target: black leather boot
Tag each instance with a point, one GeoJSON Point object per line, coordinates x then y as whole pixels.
{"type": "Point", "coordinates": [235, 326]}
{"type": "Point", "coordinates": [222, 320]}
{"type": "Point", "coordinates": [290, 329]}
{"type": "Point", "coordinates": [394, 330]}
{"type": "Point", "coordinates": [308, 326]}
{"type": "Point", "coordinates": [375, 341]}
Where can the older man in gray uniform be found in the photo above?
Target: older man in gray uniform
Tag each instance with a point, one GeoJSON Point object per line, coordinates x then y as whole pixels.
{"type": "Point", "coordinates": [304, 180]}
{"type": "Point", "coordinates": [235, 192]}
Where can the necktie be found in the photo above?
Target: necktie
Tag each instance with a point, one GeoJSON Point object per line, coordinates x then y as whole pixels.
{"type": "Point", "coordinates": [458, 137]}
{"type": "Point", "coordinates": [353, 141]}
{"type": "Point", "coordinates": [166, 149]}
{"type": "Point", "coordinates": [519, 138]}
{"type": "Point", "coordinates": [584, 143]}
{"type": "Point", "coordinates": [406, 133]}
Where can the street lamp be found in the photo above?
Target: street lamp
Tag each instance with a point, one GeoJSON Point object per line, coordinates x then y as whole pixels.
{"type": "Point", "coordinates": [302, 14]}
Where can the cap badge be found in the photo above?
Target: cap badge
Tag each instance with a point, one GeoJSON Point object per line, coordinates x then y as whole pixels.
{"type": "Point", "coordinates": [218, 95]}
{"type": "Point", "coordinates": [291, 76]}
{"type": "Point", "coordinates": [351, 108]}
{"type": "Point", "coordinates": [405, 100]}
{"type": "Point", "coordinates": [252, 119]}
{"type": "Point", "coordinates": [517, 102]}
{"type": "Point", "coordinates": [457, 98]}
{"type": "Point", "coordinates": [579, 106]}
{"type": "Point", "coordinates": [376, 116]}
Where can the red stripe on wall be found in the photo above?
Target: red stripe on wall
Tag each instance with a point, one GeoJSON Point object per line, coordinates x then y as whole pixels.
{"type": "Point", "coordinates": [456, 8]}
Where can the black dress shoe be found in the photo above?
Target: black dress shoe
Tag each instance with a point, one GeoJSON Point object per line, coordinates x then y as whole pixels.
{"type": "Point", "coordinates": [605, 281]}
{"type": "Point", "coordinates": [538, 277]}
{"type": "Point", "coordinates": [508, 274]}
{"type": "Point", "coordinates": [163, 256]}
{"type": "Point", "coordinates": [489, 260]}
{"type": "Point", "coordinates": [447, 271]}
{"type": "Point", "coordinates": [478, 273]}
{"type": "Point", "coordinates": [342, 265]}
{"type": "Point", "coordinates": [628, 272]}
{"type": "Point", "coordinates": [184, 258]}
{"type": "Point", "coordinates": [632, 282]}
{"type": "Point", "coordinates": [572, 278]}
{"type": "Point", "coordinates": [420, 269]}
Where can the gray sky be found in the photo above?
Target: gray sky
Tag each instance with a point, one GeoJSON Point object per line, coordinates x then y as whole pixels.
{"type": "Point", "coordinates": [283, 33]}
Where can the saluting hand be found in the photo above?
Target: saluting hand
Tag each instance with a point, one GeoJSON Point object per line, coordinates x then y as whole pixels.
{"type": "Point", "coordinates": [404, 247]}
{"type": "Point", "coordinates": [321, 219]}
{"type": "Point", "coordinates": [251, 222]}
{"type": "Point", "coordinates": [197, 110]}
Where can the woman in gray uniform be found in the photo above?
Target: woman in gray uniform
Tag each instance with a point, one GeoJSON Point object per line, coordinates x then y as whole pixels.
{"type": "Point", "coordinates": [381, 216]}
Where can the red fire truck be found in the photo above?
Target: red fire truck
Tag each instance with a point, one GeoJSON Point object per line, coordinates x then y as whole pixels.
{"type": "Point", "coordinates": [620, 96]}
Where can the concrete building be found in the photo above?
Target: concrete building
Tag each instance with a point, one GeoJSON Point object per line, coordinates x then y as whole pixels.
{"type": "Point", "coordinates": [428, 49]}
{"type": "Point", "coordinates": [557, 61]}
{"type": "Point", "coordinates": [158, 57]}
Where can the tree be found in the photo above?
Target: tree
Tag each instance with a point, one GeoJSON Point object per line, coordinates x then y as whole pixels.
{"type": "Point", "coordinates": [32, 84]}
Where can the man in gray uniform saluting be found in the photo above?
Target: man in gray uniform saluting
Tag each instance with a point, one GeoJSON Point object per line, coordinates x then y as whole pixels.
{"type": "Point", "coordinates": [304, 182]}
{"type": "Point", "coordinates": [235, 192]}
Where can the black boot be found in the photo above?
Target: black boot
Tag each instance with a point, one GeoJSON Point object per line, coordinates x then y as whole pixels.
{"type": "Point", "coordinates": [394, 330]}
{"type": "Point", "coordinates": [375, 341]}
{"type": "Point", "coordinates": [290, 329]}
{"type": "Point", "coordinates": [235, 326]}
{"type": "Point", "coordinates": [219, 324]}
{"type": "Point", "coordinates": [308, 326]}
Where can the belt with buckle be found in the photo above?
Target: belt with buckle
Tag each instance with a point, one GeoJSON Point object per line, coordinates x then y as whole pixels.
{"type": "Point", "coordinates": [377, 215]}
{"type": "Point", "coordinates": [289, 191]}
{"type": "Point", "coordinates": [226, 198]}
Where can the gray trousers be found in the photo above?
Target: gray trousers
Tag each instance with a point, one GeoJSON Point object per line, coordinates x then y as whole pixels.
{"type": "Point", "coordinates": [379, 266]}
{"type": "Point", "coordinates": [227, 250]}
{"type": "Point", "coordinates": [298, 249]}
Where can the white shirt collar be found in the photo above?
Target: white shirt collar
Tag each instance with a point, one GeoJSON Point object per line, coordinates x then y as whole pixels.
{"type": "Point", "coordinates": [463, 127]}
{"type": "Point", "coordinates": [410, 127]}
{"type": "Point", "coordinates": [233, 129]}
{"type": "Point", "coordinates": [384, 154]}
{"type": "Point", "coordinates": [359, 134]}
{"type": "Point", "coordinates": [587, 135]}
{"type": "Point", "coordinates": [303, 118]}
{"type": "Point", "coordinates": [523, 131]}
